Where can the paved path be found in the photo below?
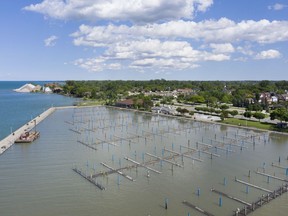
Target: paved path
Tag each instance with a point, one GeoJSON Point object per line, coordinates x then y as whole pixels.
{"type": "Point", "coordinates": [8, 141]}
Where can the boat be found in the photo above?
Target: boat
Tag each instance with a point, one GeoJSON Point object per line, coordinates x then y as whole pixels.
{"type": "Point", "coordinates": [28, 137]}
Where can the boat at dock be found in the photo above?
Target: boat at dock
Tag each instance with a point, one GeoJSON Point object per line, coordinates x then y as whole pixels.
{"type": "Point", "coordinates": [28, 137]}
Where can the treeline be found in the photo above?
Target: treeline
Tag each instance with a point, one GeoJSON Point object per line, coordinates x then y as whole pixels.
{"type": "Point", "coordinates": [210, 92]}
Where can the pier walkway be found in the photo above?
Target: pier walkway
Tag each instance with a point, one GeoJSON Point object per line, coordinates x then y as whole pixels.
{"type": "Point", "coordinates": [8, 141]}
{"type": "Point", "coordinates": [262, 201]}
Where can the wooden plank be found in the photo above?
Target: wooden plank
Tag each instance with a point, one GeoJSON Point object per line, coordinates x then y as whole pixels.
{"type": "Point", "coordinates": [271, 176]}
{"type": "Point", "coordinates": [142, 165]}
{"type": "Point", "coordinates": [231, 197]}
{"type": "Point", "coordinates": [163, 159]}
{"type": "Point", "coordinates": [118, 171]}
{"type": "Point", "coordinates": [254, 186]}
{"type": "Point", "coordinates": [197, 208]}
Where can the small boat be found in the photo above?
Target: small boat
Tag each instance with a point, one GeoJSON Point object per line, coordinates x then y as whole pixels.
{"type": "Point", "coordinates": [28, 137]}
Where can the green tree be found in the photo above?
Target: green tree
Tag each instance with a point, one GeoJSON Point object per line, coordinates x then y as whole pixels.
{"type": "Point", "coordinates": [224, 114]}
{"type": "Point", "coordinates": [224, 107]}
{"type": "Point", "coordinates": [280, 114]}
{"type": "Point", "coordinates": [196, 99]}
{"type": "Point", "coordinates": [259, 115]}
{"type": "Point", "coordinates": [182, 110]}
{"type": "Point", "coordinates": [233, 113]}
{"type": "Point", "coordinates": [247, 114]}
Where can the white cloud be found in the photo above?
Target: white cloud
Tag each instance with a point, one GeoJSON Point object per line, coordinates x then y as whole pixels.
{"type": "Point", "coordinates": [133, 10]}
{"type": "Point", "coordinates": [213, 31]}
{"type": "Point", "coordinates": [160, 34]}
{"type": "Point", "coordinates": [222, 48]}
{"type": "Point", "coordinates": [246, 50]}
{"type": "Point", "coordinates": [51, 41]}
{"type": "Point", "coordinates": [277, 6]}
{"type": "Point", "coordinates": [268, 54]}
{"type": "Point", "coordinates": [96, 64]}
{"type": "Point", "coordinates": [169, 44]}
{"type": "Point", "coordinates": [150, 53]}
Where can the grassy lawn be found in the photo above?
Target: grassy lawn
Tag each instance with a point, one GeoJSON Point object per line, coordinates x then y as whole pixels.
{"type": "Point", "coordinates": [259, 125]}
{"type": "Point", "coordinates": [91, 103]}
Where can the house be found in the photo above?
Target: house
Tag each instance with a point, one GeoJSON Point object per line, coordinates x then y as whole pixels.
{"type": "Point", "coordinates": [163, 110]}
{"type": "Point", "coordinates": [47, 90]}
{"type": "Point", "coordinates": [264, 97]}
{"type": "Point", "coordinates": [282, 97]}
{"type": "Point", "coordinates": [129, 103]}
{"type": "Point", "coordinates": [57, 90]}
{"type": "Point", "coordinates": [185, 91]}
{"type": "Point", "coordinates": [274, 99]}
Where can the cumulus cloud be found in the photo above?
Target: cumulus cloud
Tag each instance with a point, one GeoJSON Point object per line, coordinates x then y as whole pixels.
{"type": "Point", "coordinates": [268, 54]}
{"type": "Point", "coordinates": [213, 31]}
{"type": "Point", "coordinates": [222, 48]}
{"type": "Point", "coordinates": [96, 64]}
{"type": "Point", "coordinates": [161, 34]}
{"type": "Point", "coordinates": [169, 44]}
{"type": "Point", "coordinates": [51, 41]}
{"type": "Point", "coordinates": [133, 10]}
{"type": "Point", "coordinates": [151, 53]}
{"type": "Point", "coordinates": [277, 7]}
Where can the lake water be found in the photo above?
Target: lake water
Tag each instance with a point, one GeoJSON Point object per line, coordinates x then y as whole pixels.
{"type": "Point", "coordinates": [37, 178]}
{"type": "Point", "coordinates": [18, 108]}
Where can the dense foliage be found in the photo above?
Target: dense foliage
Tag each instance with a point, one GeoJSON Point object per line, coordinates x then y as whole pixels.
{"type": "Point", "coordinates": [211, 93]}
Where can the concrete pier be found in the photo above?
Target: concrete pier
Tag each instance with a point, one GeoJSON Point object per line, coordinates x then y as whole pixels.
{"type": "Point", "coordinates": [8, 141]}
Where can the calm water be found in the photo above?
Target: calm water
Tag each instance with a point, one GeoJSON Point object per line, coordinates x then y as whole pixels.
{"type": "Point", "coordinates": [37, 178]}
{"type": "Point", "coordinates": [18, 108]}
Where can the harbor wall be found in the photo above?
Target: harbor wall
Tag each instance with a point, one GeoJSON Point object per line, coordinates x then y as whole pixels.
{"type": "Point", "coordinates": [8, 141]}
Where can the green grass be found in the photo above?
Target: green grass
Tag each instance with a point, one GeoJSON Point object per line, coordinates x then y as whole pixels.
{"type": "Point", "coordinates": [254, 124]}
{"type": "Point", "coordinates": [91, 103]}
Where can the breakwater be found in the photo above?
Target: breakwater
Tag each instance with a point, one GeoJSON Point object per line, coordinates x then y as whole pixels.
{"type": "Point", "coordinates": [8, 141]}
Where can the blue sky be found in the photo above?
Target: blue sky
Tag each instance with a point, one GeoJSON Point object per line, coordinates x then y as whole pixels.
{"type": "Point", "coordinates": [144, 39]}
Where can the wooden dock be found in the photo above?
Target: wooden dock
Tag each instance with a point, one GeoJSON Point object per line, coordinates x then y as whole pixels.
{"type": "Point", "coordinates": [88, 145]}
{"type": "Point", "coordinates": [164, 159]}
{"type": "Point", "coordinates": [272, 176]}
{"type": "Point", "coordinates": [278, 166]}
{"type": "Point", "coordinates": [231, 197]}
{"type": "Point", "coordinates": [89, 178]}
{"type": "Point", "coordinates": [197, 208]}
{"type": "Point", "coordinates": [142, 165]}
{"type": "Point", "coordinates": [262, 201]}
{"type": "Point", "coordinates": [254, 186]}
{"type": "Point", "coordinates": [118, 171]}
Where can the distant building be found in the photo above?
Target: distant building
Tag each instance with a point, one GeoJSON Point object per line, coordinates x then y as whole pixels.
{"type": "Point", "coordinates": [185, 91]}
{"type": "Point", "coordinates": [274, 99]}
{"type": "Point", "coordinates": [128, 103]}
{"type": "Point", "coordinates": [282, 97]}
{"type": "Point", "coordinates": [57, 90]}
{"type": "Point", "coordinates": [162, 110]}
{"type": "Point", "coordinates": [47, 90]}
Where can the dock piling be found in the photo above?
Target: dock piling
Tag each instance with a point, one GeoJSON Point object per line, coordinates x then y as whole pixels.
{"type": "Point", "coordinates": [220, 201]}
{"type": "Point", "coordinates": [198, 192]}
{"type": "Point", "coordinates": [166, 203]}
